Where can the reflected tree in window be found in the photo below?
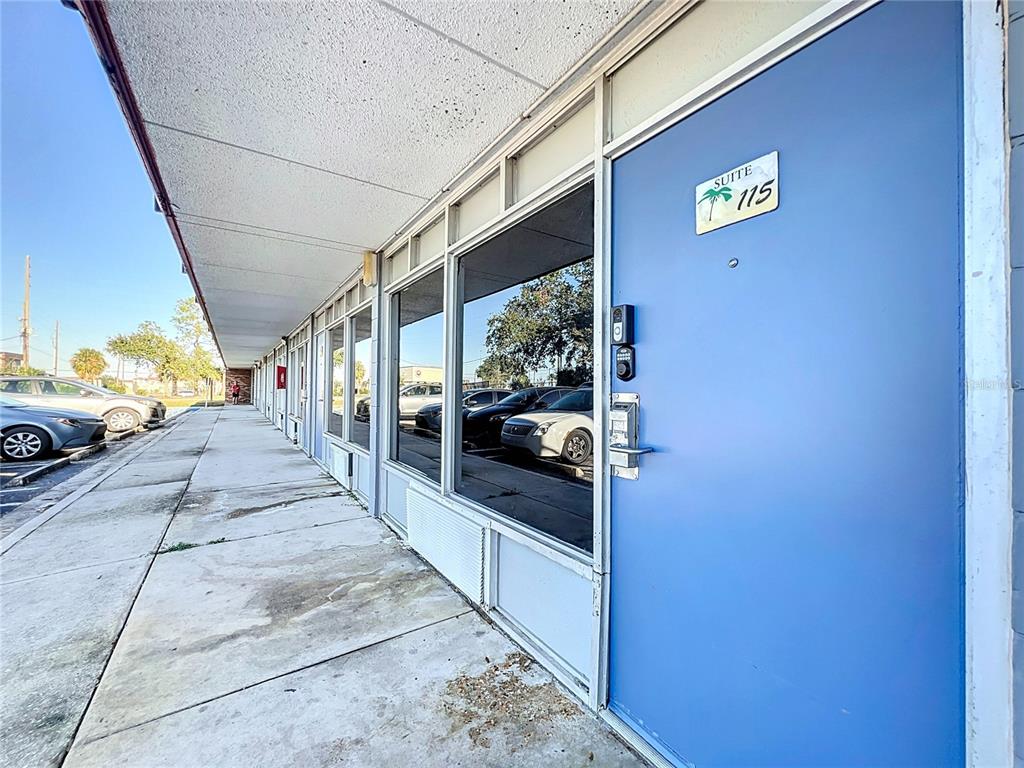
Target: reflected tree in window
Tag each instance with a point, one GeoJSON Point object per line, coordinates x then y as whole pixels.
{"type": "Point", "coordinates": [548, 326]}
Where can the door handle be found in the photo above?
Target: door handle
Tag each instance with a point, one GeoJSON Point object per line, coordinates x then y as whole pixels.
{"type": "Point", "coordinates": [631, 451]}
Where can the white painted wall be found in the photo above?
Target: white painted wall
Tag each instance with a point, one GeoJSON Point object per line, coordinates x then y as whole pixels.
{"type": "Point", "coordinates": [708, 39]}
{"type": "Point", "coordinates": [557, 151]}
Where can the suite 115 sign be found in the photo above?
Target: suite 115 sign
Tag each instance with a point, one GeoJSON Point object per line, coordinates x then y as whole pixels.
{"type": "Point", "coordinates": [741, 193]}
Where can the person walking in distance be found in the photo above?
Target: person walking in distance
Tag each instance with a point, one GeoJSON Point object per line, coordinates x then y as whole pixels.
{"type": "Point", "coordinates": [235, 392]}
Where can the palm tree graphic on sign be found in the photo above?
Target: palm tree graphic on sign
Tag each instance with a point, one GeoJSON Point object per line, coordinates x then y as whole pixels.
{"type": "Point", "coordinates": [713, 194]}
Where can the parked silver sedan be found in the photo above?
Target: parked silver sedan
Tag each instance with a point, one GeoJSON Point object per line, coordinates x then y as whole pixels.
{"type": "Point", "coordinates": [121, 412]}
{"type": "Point", "coordinates": [28, 433]}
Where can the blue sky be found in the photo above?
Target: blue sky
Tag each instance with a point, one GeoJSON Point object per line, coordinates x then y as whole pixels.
{"type": "Point", "coordinates": [74, 194]}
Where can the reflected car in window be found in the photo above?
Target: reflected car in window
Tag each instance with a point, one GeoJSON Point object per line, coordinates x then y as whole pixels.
{"type": "Point", "coordinates": [362, 409]}
{"type": "Point", "coordinates": [564, 431]}
{"type": "Point", "coordinates": [483, 428]}
{"type": "Point", "coordinates": [429, 417]}
{"type": "Point", "coordinates": [415, 396]}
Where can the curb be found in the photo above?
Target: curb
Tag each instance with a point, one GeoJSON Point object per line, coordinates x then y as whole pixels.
{"type": "Point", "coordinates": [33, 474]}
{"type": "Point", "coordinates": [20, 480]}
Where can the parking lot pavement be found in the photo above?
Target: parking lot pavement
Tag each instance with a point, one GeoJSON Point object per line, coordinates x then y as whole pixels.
{"type": "Point", "coordinates": [12, 469]}
{"type": "Point", "coordinates": [12, 513]}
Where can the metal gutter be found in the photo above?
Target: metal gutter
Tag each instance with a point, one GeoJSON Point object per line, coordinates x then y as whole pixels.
{"type": "Point", "coordinates": [95, 15]}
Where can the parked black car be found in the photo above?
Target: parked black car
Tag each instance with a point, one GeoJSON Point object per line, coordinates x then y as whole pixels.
{"type": "Point", "coordinates": [429, 416]}
{"type": "Point", "coordinates": [483, 428]}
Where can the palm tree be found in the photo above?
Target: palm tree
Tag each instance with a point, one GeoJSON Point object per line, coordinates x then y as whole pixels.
{"type": "Point", "coordinates": [713, 194]}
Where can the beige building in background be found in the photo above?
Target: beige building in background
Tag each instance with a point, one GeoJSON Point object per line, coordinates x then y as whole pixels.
{"type": "Point", "coordinates": [420, 374]}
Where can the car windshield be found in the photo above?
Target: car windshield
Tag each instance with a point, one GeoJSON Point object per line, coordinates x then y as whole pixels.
{"type": "Point", "coordinates": [579, 400]}
{"type": "Point", "coordinates": [81, 386]}
{"type": "Point", "coordinates": [10, 402]}
{"type": "Point", "coordinates": [516, 398]}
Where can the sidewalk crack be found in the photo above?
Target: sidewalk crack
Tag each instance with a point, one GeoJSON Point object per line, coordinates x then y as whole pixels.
{"type": "Point", "coordinates": [272, 678]}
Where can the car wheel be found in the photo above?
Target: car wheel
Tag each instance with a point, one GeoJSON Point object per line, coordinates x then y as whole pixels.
{"type": "Point", "coordinates": [121, 420]}
{"type": "Point", "coordinates": [24, 443]}
{"type": "Point", "coordinates": [577, 447]}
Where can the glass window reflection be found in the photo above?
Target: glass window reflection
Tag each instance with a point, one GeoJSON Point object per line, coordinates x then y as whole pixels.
{"type": "Point", "coordinates": [527, 330]}
{"type": "Point", "coordinates": [336, 381]}
{"type": "Point", "coordinates": [361, 361]}
{"type": "Point", "coordinates": [417, 396]}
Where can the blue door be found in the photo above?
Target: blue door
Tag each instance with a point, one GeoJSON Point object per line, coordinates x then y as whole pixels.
{"type": "Point", "coordinates": [786, 573]}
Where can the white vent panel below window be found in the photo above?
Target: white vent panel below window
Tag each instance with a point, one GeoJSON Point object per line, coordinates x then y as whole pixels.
{"type": "Point", "coordinates": [448, 541]}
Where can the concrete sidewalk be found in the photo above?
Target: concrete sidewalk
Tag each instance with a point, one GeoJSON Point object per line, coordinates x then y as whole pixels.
{"type": "Point", "coordinates": [215, 600]}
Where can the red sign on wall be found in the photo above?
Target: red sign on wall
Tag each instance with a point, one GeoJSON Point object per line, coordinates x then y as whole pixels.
{"type": "Point", "coordinates": [282, 377]}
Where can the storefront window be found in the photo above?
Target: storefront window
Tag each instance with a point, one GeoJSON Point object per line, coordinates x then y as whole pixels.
{"type": "Point", "coordinates": [361, 358]}
{"type": "Point", "coordinates": [290, 392]}
{"type": "Point", "coordinates": [336, 381]}
{"type": "Point", "coordinates": [417, 389]}
{"type": "Point", "coordinates": [527, 329]}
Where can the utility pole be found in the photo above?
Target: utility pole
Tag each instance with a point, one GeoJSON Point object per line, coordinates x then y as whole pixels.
{"type": "Point", "coordinates": [25, 330]}
{"type": "Point", "coordinates": [56, 344]}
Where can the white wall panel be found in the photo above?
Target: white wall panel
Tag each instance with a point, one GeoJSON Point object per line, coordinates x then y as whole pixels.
{"type": "Point", "coordinates": [396, 265]}
{"type": "Point", "coordinates": [361, 475]}
{"type": "Point", "coordinates": [479, 206]}
{"type": "Point", "coordinates": [547, 599]}
{"type": "Point", "coordinates": [714, 35]}
{"type": "Point", "coordinates": [431, 242]}
{"type": "Point", "coordinates": [395, 499]}
{"type": "Point", "coordinates": [569, 143]}
{"type": "Point", "coordinates": [337, 462]}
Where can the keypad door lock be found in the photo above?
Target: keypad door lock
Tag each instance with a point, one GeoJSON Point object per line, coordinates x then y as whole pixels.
{"type": "Point", "coordinates": [625, 363]}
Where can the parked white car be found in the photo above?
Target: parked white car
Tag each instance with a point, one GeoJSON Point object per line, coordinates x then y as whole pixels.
{"type": "Point", "coordinates": [415, 396]}
{"type": "Point", "coordinates": [565, 430]}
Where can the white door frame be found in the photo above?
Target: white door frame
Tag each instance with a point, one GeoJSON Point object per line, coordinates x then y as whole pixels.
{"type": "Point", "coordinates": [987, 394]}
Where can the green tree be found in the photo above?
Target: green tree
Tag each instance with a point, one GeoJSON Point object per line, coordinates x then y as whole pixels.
{"type": "Point", "coordinates": [190, 325]}
{"type": "Point", "coordinates": [548, 324]}
{"type": "Point", "coordinates": [196, 362]}
{"type": "Point", "coordinates": [12, 368]}
{"type": "Point", "coordinates": [492, 371]}
{"type": "Point", "coordinates": [88, 363]}
{"type": "Point", "coordinates": [148, 346]}
{"type": "Point", "coordinates": [111, 383]}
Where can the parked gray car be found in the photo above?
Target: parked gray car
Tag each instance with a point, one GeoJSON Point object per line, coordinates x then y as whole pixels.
{"type": "Point", "coordinates": [121, 412]}
{"type": "Point", "coordinates": [28, 433]}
